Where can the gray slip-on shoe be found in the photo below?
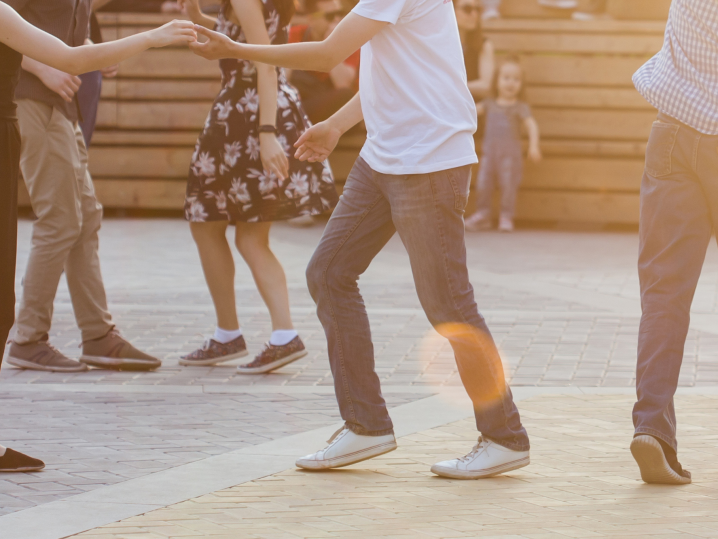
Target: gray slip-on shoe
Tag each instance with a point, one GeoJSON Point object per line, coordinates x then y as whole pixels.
{"type": "Point", "coordinates": [42, 356]}
{"type": "Point", "coordinates": [115, 353]}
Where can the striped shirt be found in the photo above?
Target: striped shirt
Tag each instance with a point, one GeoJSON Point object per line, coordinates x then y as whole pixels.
{"type": "Point", "coordinates": [682, 79]}
{"type": "Point", "coordinates": [54, 17]}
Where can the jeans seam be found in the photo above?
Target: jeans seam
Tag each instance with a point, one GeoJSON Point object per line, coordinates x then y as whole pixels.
{"type": "Point", "coordinates": [656, 434]}
{"type": "Point", "coordinates": [451, 288]}
{"type": "Point", "coordinates": [331, 305]}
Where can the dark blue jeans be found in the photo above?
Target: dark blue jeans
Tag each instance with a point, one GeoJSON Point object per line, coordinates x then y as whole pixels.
{"type": "Point", "coordinates": [427, 210]}
{"type": "Point", "coordinates": [679, 210]}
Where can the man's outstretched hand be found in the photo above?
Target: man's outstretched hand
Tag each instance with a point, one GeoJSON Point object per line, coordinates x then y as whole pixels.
{"type": "Point", "coordinates": [317, 143]}
{"type": "Point", "coordinates": [216, 47]}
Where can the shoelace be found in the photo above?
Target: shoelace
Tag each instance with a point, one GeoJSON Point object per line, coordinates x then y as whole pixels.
{"type": "Point", "coordinates": [338, 435]}
{"type": "Point", "coordinates": [478, 448]}
{"type": "Point", "coordinates": [207, 343]}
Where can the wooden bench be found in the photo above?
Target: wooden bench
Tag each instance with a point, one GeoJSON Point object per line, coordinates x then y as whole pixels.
{"type": "Point", "coordinates": [578, 74]}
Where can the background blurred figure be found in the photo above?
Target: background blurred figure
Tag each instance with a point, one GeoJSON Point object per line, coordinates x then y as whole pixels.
{"type": "Point", "coordinates": [323, 93]}
{"type": "Point", "coordinates": [479, 56]}
{"type": "Point", "coordinates": [88, 96]}
{"type": "Point", "coordinates": [502, 162]}
{"type": "Point", "coordinates": [140, 6]}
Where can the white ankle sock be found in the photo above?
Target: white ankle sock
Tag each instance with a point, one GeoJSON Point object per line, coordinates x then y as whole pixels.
{"type": "Point", "coordinates": [2, 450]}
{"type": "Point", "coordinates": [280, 337]}
{"type": "Point", "coordinates": [226, 335]}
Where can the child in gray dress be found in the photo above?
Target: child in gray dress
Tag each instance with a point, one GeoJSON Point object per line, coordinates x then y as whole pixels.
{"type": "Point", "coordinates": [502, 161]}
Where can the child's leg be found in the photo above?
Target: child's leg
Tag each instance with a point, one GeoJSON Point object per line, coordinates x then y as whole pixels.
{"type": "Point", "coordinates": [485, 187]}
{"type": "Point", "coordinates": [510, 172]}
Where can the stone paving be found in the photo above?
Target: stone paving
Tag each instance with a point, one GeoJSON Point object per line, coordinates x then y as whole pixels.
{"type": "Point", "coordinates": [582, 482]}
{"type": "Point", "coordinates": [563, 307]}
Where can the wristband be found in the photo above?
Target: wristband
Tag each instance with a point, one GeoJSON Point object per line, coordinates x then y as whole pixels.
{"type": "Point", "coordinates": [267, 129]}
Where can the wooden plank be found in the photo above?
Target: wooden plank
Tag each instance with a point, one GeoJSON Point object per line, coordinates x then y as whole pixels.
{"type": "Point", "coordinates": [578, 44]}
{"type": "Point", "coordinates": [655, 28]}
{"type": "Point", "coordinates": [153, 115]}
{"type": "Point", "coordinates": [165, 90]}
{"type": "Point", "coordinates": [586, 97]}
{"type": "Point", "coordinates": [146, 194]}
{"type": "Point", "coordinates": [595, 124]}
{"type": "Point", "coordinates": [585, 174]}
{"type": "Point", "coordinates": [119, 162]}
{"type": "Point", "coordinates": [144, 138]}
{"type": "Point", "coordinates": [639, 9]}
{"type": "Point", "coordinates": [620, 208]}
{"type": "Point", "coordinates": [531, 9]}
{"type": "Point", "coordinates": [601, 71]}
{"type": "Point", "coordinates": [169, 63]}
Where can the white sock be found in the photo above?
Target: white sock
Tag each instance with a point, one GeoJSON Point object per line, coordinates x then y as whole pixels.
{"type": "Point", "coordinates": [280, 337]}
{"type": "Point", "coordinates": [226, 335]}
{"type": "Point", "coordinates": [2, 450]}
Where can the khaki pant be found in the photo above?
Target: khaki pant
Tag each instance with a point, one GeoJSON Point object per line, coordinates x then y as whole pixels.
{"type": "Point", "coordinates": [64, 236]}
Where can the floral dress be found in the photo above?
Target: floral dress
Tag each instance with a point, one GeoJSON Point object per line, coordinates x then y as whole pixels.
{"type": "Point", "coordinates": [227, 181]}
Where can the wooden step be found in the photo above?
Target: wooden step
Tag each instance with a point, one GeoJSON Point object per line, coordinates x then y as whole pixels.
{"type": "Point", "coordinates": [556, 206]}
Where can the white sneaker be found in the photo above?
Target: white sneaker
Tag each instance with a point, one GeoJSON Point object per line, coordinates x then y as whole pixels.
{"type": "Point", "coordinates": [345, 448]}
{"type": "Point", "coordinates": [506, 224]}
{"type": "Point", "coordinates": [559, 4]}
{"type": "Point", "coordinates": [486, 459]}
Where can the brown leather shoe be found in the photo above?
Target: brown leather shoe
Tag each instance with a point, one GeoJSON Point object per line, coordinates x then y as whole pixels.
{"type": "Point", "coordinates": [42, 356]}
{"type": "Point", "coordinates": [114, 352]}
{"type": "Point", "coordinates": [13, 461]}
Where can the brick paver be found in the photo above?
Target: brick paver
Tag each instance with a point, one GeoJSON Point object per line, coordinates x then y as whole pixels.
{"type": "Point", "coordinates": [159, 300]}
{"type": "Point", "coordinates": [582, 482]}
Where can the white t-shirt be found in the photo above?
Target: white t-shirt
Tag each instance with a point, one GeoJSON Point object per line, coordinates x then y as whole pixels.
{"type": "Point", "coordinates": [419, 113]}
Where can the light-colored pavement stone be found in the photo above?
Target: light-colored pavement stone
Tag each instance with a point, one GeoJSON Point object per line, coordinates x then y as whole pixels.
{"type": "Point", "coordinates": [563, 307]}
{"type": "Point", "coordinates": [582, 482]}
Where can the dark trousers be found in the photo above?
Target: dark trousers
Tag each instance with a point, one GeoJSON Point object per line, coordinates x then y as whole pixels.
{"type": "Point", "coordinates": [427, 211]}
{"type": "Point", "coordinates": [88, 96]}
{"type": "Point", "coordinates": [9, 176]}
{"type": "Point", "coordinates": [679, 211]}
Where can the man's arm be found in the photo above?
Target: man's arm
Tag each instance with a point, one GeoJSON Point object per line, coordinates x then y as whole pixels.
{"type": "Point", "coordinates": [349, 35]}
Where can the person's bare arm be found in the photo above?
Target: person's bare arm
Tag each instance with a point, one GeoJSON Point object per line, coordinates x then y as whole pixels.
{"type": "Point", "coordinates": [194, 12]}
{"type": "Point", "coordinates": [251, 19]}
{"type": "Point", "coordinates": [480, 109]}
{"type": "Point", "coordinates": [534, 139]}
{"type": "Point", "coordinates": [319, 141]}
{"type": "Point", "coordinates": [30, 41]}
{"type": "Point", "coordinates": [481, 87]}
{"type": "Point", "coordinates": [349, 35]}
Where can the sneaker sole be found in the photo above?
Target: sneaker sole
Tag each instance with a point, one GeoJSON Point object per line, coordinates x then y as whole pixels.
{"type": "Point", "coordinates": [213, 361]}
{"type": "Point", "coordinates": [347, 460]}
{"type": "Point", "coordinates": [21, 470]}
{"type": "Point", "coordinates": [652, 462]}
{"type": "Point", "coordinates": [489, 472]}
{"type": "Point", "coordinates": [274, 365]}
{"type": "Point", "coordinates": [22, 364]}
{"type": "Point", "coordinates": [121, 364]}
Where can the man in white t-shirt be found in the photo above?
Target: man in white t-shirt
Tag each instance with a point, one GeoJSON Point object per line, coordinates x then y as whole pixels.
{"type": "Point", "coordinates": [412, 177]}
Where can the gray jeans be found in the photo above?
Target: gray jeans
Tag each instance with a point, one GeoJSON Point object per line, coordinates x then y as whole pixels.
{"type": "Point", "coordinates": [427, 210]}
{"type": "Point", "coordinates": [679, 211]}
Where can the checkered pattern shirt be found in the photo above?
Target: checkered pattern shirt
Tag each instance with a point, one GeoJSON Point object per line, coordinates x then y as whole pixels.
{"type": "Point", "coordinates": [682, 79]}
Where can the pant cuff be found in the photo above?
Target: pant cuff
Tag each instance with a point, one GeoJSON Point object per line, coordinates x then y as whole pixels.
{"type": "Point", "coordinates": [361, 431]}
{"type": "Point", "coordinates": [514, 446]}
{"type": "Point", "coordinates": [656, 434]}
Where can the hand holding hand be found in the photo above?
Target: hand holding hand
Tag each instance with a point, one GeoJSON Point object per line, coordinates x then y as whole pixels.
{"type": "Point", "coordinates": [317, 142]}
{"type": "Point", "coordinates": [173, 33]}
{"type": "Point", "coordinates": [217, 46]}
{"type": "Point", "coordinates": [272, 154]}
{"type": "Point", "coordinates": [61, 83]}
{"type": "Point", "coordinates": [535, 154]}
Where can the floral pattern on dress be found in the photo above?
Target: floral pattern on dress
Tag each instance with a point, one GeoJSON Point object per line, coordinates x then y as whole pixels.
{"type": "Point", "coordinates": [227, 181]}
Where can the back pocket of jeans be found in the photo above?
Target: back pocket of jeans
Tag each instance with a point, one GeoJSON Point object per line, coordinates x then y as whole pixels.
{"type": "Point", "coordinates": [660, 149]}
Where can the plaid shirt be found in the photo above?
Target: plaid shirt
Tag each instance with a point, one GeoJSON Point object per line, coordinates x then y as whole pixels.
{"type": "Point", "coordinates": [682, 79]}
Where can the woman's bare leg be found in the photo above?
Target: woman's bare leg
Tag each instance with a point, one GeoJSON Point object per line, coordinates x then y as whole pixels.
{"type": "Point", "coordinates": [218, 266]}
{"type": "Point", "coordinates": [252, 241]}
